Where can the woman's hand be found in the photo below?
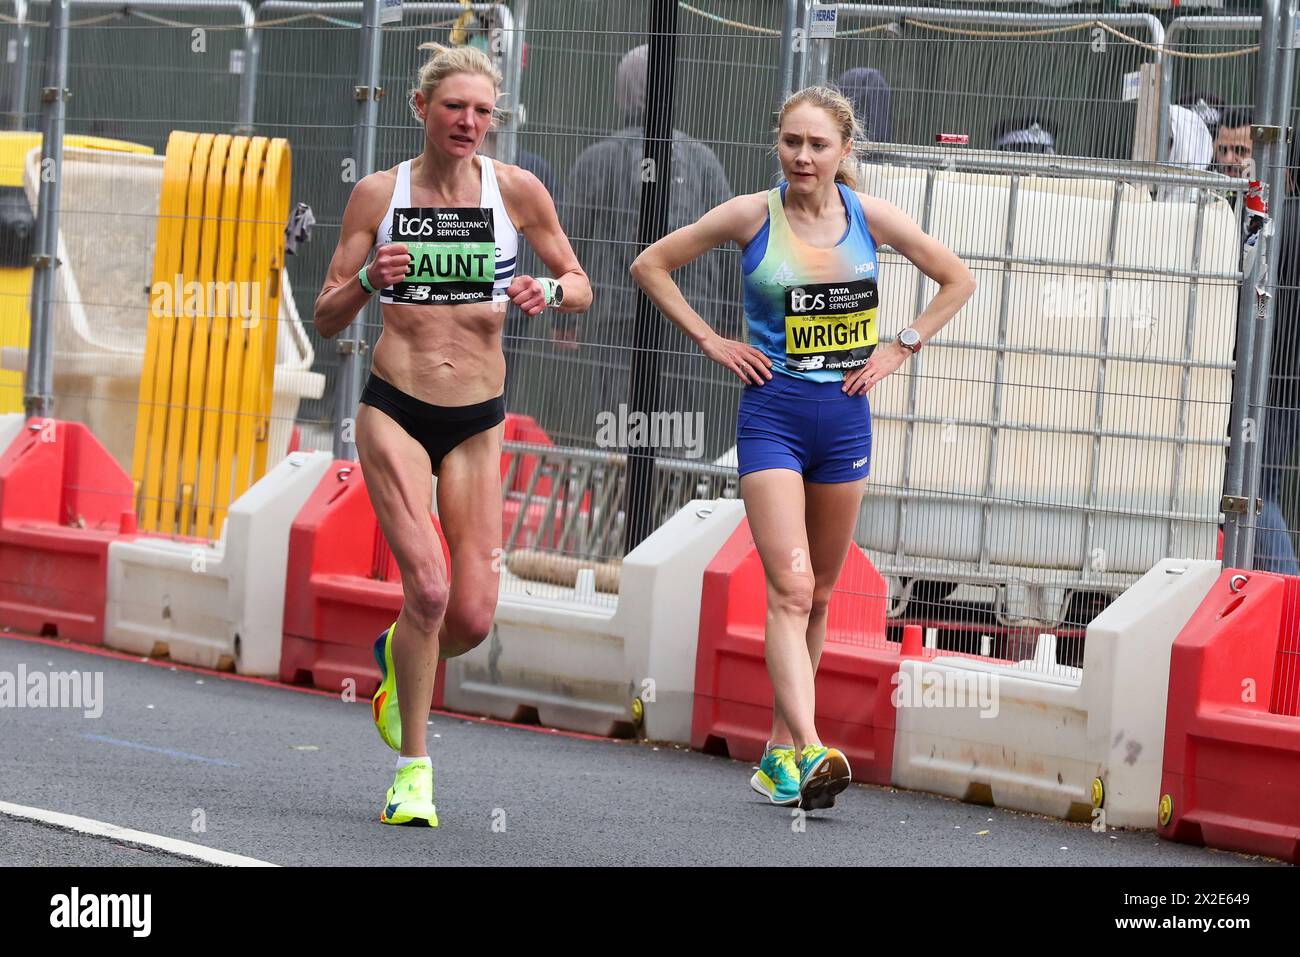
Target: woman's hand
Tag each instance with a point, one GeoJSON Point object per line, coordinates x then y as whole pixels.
{"type": "Point", "coordinates": [743, 359]}
{"type": "Point", "coordinates": [882, 362]}
{"type": "Point", "coordinates": [390, 265]}
{"type": "Point", "coordinates": [527, 293]}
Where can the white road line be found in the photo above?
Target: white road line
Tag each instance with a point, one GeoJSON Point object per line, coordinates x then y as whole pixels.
{"type": "Point", "coordinates": [85, 825]}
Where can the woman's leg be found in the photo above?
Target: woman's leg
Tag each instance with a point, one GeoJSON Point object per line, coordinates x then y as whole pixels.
{"type": "Point", "coordinates": [399, 481]}
{"type": "Point", "coordinates": [774, 506]}
{"type": "Point", "coordinates": [469, 508]}
{"type": "Point", "coordinates": [830, 514]}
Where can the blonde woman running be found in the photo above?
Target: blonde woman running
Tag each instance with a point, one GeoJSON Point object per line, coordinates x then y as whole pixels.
{"type": "Point", "coordinates": [444, 228]}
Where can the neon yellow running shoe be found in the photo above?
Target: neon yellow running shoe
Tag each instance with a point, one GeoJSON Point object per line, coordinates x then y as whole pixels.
{"type": "Point", "coordinates": [823, 773]}
{"type": "Point", "coordinates": [777, 777]}
{"type": "Point", "coordinates": [388, 720]}
{"type": "Point", "coordinates": [410, 799]}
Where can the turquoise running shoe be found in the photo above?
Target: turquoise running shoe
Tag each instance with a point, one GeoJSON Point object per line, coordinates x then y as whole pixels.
{"type": "Point", "coordinates": [410, 799]}
{"type": "Point", "coordinates": [388, 720]}
{"type": "Point", "coordinates": [823, 773]}
{"type": "Point", "coordinates": [777, 777]}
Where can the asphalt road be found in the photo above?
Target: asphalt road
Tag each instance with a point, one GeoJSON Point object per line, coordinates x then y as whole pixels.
{"type": "Point", "coordinates": [298, 779]}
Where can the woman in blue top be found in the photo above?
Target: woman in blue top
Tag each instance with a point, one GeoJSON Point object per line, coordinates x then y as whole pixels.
{"type": "Point", "coordinates": [803, 433]}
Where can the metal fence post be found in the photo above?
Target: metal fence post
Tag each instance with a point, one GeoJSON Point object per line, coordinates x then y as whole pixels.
{"type": "Point", "coordinates": [39, 397]}
{"type": "Point", "coordinates": [656, 192]}
{"type": "Point", "coordinates": [1275, 69]}
{"type": "Point", "coordinates": [1239, 505]}
{"type": "Point", "coordinates": [805, 53]}
{"type": "Point", "coordinates": [788, 26]}
{"type": "Point", "coordinates": [785, 77]}
{"type": "Point", "coordinates": [248, 79]}
{"type": "Point", "coordinates": [514, 23]}
{"type": "Point", "coordinates": [17, 105]}
{"type": "Point", "coordinates": [347, 387]}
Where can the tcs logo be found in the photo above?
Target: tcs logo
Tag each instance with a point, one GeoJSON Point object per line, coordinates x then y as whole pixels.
{"type": "Point", "coordinates": [801, 301]}
{"type": "Point", "coordinates": [411, 227]}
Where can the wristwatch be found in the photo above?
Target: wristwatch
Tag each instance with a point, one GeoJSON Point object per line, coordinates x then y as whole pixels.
{"type": "Point", "coordinates": [552, 291]}
{"type": "Point", "coordinates": [910, 340]}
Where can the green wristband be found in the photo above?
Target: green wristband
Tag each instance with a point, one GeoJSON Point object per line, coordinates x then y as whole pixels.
{"type": "Point", "coordinates": [365, 280]}
{"type": "Point", "coordinates": [548, 289]}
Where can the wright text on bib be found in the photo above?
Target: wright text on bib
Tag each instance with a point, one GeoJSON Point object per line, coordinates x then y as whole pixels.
{"type": "Point", "coordinates": [830, 325]}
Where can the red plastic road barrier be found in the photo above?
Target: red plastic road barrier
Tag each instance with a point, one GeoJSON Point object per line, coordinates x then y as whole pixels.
{"type": "Point", "coordinates": [1232, 766]}
{"type": "Point", "coordinates": [62, 500]}
{"type": "Point", "coordinates": [342, 589]}
{"type": "Point", "coordinates": [733, 694]}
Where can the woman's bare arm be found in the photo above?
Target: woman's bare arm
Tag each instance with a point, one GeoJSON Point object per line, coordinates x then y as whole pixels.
{"type": "Point", "coordinates": [342, 297]}
{"type": "Point", "coordinates": [736, 220]}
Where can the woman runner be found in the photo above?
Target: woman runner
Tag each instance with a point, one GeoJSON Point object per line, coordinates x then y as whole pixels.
{"type": "Point", "coordinates": [803, 431]}
{"type": "Point", "coordinates": [444, 229]}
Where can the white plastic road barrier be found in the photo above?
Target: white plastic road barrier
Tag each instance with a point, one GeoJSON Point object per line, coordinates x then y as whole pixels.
{"type": "Point", "coordinates": [1036, 742]}
{"type": "Point", "coordinates": [101, 302]}
{"type": "Point", "coordinates": [659, 609]}
{"type": "Point", "coordinates": [580, 660]}
{"type": "Point", "coordinates": [217, 605]}
{"type": "Point", "coordinates": [11, 424]}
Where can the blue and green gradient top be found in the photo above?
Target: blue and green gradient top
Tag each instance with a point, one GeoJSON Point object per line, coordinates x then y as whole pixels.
{"type": "Point", "coordinates": [811, 310]}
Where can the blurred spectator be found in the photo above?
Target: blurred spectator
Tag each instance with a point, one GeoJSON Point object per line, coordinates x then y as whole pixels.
{"type": "Point", "coordinates": [568, 387]}
{"type": "Point", "coordinates": [1208, 106]}
{"type": "Point", "coordinates": [531, 162]}
{"type": "Point", "coordinates": [867, 90]}
{"type": "Point", "coordinates": [1191, 148]}
{"type": "Point", "coordinates": [1233, 150]}
{"type": "Point", "coordinates": [1027, 134]}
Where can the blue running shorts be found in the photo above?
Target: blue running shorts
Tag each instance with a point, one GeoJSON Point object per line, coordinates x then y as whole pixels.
{"type": "Point", "coordinates": [810, 427]}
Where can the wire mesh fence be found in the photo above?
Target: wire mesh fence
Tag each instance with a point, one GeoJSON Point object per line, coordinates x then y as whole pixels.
{"type": "Point", "coordinates": [1066, 431]}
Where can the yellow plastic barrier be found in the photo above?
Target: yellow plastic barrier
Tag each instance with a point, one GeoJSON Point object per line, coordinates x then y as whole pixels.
{"type": "Point", "coordinates": [16, 281]}
{"type": "Point", "coordinates": [209, 362]}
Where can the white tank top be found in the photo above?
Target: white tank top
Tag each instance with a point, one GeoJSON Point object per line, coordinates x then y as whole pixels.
{"type": "Point", "coordinates": [460, 254]}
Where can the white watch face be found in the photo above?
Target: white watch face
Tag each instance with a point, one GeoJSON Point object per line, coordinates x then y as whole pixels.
{"type": "Point", "coordinates": [910, 338]}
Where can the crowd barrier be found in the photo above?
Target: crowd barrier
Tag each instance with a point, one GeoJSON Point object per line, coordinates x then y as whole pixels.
{"type": "Point", "coordinates": [220, 604]}
{"type": "Point", "coordinates": [63, 499]}
{"type": "Point", "coordinates": [1231, 761]}
{"type": "Point", "coordinates": [1037, 736]}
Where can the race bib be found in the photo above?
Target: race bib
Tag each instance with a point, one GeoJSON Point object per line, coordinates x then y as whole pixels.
{"type": "Point", "coordinates": [453, 255]}
{"type": "Point", "coordinates": [830, 325]}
